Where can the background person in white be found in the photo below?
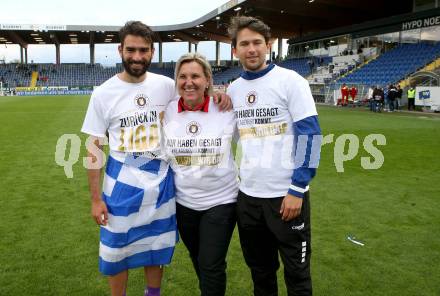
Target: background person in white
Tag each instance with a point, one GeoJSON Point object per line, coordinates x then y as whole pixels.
{"type": "Point", "coordinates": [198, 138]}
{"type": "Point", "coordinates": [280, 138]}
{"type": "Point", "coordinates": [137, 208]}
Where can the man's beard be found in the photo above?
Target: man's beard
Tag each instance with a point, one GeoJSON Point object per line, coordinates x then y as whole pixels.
{"type": "Point", "coordinates": [136, 72]}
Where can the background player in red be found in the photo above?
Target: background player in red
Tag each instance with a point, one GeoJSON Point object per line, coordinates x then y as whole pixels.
{"type": "Point", "coordinates": [353, 93]}
{"type": "Point", "coordinates": [344, 93]}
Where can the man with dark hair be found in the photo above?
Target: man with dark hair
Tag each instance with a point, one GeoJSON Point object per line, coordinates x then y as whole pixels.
{"type": "Point", "coordinates": [138, 30]}
{"type": "Point", "coordinates": [379, 98]}
{"type": "Point", "coordinates": [398, 98]}
{"type": "Point", "coordinates": [281, 140]}
{"type": "Point", "coordinates": [136, 211]}
{"type": "Point", "coordinates": [247, 22]}
{"type": "Point", "coordinates": [392, 95]}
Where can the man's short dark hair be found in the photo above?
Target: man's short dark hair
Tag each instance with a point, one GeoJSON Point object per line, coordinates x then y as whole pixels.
{"type": "Point", "coordinates": [136, 28]}
{"type": "Point", "coordinates": [239, 23]}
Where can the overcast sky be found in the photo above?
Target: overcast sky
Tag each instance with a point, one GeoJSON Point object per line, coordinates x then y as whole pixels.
{"type": "Point", "coordinates": [108, 12]}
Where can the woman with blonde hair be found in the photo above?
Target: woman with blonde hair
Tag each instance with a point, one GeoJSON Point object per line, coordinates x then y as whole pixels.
{"type": "Point", "coordinates": [198, 138]}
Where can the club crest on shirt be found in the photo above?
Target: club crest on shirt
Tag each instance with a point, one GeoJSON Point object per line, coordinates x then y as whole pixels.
{"type": "Point", "coordinates": [141, 101]}
{"type": "Point", "coordinates": [251, 98]}
{"type": "Point", "coordinates": [193, 128]}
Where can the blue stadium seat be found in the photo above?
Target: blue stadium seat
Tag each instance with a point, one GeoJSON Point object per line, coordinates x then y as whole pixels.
{"type": "Point", "coordinates": [395, 64]}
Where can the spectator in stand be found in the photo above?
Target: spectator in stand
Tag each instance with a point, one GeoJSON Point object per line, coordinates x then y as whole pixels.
{"type": "Point", "coordinates": [370, 97]}
{"type": "Point", "coordinates": [344, 93]}
{"type": "Point", "coordinates": [411, 98]}
{"type": "Point", "coordinates": [392, 94]}
{"type": "Point", "coordinates": [311, 64]}
{"type": "Point", "coordinates": [379, 97]}
{"type": "Point", "coordinates": [398, 98]}
{"type": "Point", "coordinates": [385, 103]}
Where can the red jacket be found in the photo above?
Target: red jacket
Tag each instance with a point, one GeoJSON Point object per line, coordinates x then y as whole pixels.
{"type": "Point", "coordinates": [353, 92]}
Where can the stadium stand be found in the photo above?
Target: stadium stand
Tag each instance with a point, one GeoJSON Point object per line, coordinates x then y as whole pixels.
{"type": "Point", "coordinates": [82, 74]}
{"type": "Point", "coordinates": [394, 65]}
{"type": "Point", "coordinates": [300, 65]}
{"type": "Point", "coordinates": [15, 75]}
{"type": "Point", "coordinates": [72, 75]}
{"type": "Point", "coordinates": [390, 67]}
{"type": "Point", "coordinates": [227, 75]}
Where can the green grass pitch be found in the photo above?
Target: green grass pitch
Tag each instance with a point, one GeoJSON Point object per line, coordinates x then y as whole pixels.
{"type": "Point", "coordinates": [49, 243]}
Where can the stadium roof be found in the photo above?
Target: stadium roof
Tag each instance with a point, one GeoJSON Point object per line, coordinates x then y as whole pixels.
{"type": "Point", "coordinates": [287, 18]}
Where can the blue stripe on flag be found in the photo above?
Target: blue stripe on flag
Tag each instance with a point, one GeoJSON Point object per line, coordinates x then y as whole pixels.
{"type": "Point", "coordinates": [113, 167]}
{"type": "Point", "coordinates": [152, 166]}
{"type": "Point", "coordinates": [166, 189]}
{"type": "Point", "coordinates": [155, 228]}
{"type": "Point", "coordinates": [125, 199]}
{"type": "Point", "coordinates": [143, 163]}
{"type": "Point", "coordinates": [149, 258]}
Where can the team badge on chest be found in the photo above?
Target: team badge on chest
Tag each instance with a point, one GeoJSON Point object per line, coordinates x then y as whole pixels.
{"type": "Point", "coordinates": [141, 101]}
{"type": "Point", "coordinates": [193, 128]}
{"type": "Point", "coordinates": [251, 98]}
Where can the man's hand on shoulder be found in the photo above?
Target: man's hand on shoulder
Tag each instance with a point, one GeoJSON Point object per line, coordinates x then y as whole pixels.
{"type": "Point", "coordinates": [223, 100]}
